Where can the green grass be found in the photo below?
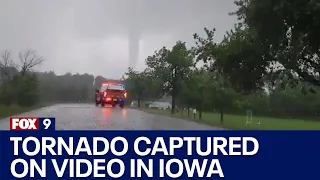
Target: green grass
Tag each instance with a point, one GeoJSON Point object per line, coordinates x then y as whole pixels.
{"type": "Point", "coordinates": [238, 122]}
{"type": "Point", "coordinates": [6, 111]}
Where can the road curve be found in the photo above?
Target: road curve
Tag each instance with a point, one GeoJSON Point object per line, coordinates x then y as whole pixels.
{"type": "Point", "coordinates": [89, 117]}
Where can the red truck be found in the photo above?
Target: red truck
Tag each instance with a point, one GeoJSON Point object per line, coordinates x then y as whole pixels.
{"type": "Point", "coordinates": [110, 93]}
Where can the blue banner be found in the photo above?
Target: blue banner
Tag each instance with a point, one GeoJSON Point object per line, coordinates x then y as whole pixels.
{"type": "Point", "coordinates": [231, 155]}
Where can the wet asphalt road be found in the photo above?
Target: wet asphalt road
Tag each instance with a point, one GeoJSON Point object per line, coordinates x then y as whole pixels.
{"type": "Point", "coordinates": [89, 117]}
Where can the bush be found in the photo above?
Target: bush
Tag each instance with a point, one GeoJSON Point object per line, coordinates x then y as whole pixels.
{"type": "Point", "coordinates": [22, 90]}
{"type": "Point", "coordinates": [6, 94]}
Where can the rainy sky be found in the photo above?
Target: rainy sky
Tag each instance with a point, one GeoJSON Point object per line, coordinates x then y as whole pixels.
{"type": "Point", "coordinates": [104, 37]}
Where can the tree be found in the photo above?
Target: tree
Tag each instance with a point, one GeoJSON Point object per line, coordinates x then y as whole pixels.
{"type": "Point", "coordinates": [22, 87]}
{"type": "Point", "coordinates": [29, 59]}
{"type": "Point", "coordinates": [6, 93]}
{"type": "Point", "coordinates": [171, 66]}
{"type": "Point", "coordinates": [66, 88]}
{"type": "Point", "coordinates": [287, 31]}
{"type": "Point", "coordinates": [197, 89]}
{"type": "Point", "coordinates": [206, 90]}
{"type": "Point", "coordinates": [187, 96]}
{"type": "Point", "coordinates": [139, 82]}
{"type": "Point", "coordinates": [7, 69]}
{"type": "Point", "coordinates": [26, 89]}
{"type": "Point", "coordinates": [136, 81]}
{"type": "Point", "coordinates": [235, 57]}
{"type": "Point", "coordinates": [222, 94]}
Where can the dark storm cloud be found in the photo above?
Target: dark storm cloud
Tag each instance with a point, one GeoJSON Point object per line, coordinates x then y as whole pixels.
{"type": "Point", "coordinates": [97, 18]}
{"type": "Point", "coordinates": [89, 35]}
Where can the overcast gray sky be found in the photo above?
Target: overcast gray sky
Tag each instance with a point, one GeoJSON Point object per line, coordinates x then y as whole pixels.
{"type": "Point", "coordinates": [92, 36]}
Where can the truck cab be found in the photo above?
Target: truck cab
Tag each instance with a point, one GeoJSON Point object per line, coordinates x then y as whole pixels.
{"type": "Point", "coordinates": [112, 94]}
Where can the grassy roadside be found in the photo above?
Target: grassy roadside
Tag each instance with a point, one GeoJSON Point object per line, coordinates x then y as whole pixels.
{"type": "Point", "coordinates": [238, 122]}
{"type": "Point", "coordinates": [7, 111]}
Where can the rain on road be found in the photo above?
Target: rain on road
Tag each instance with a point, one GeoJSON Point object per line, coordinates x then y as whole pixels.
{"type": "Point", "coordinates": [89, 117]}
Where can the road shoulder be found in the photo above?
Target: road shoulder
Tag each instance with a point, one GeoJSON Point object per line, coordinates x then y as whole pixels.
{"type": "Point", "coordinates": [178, 116]}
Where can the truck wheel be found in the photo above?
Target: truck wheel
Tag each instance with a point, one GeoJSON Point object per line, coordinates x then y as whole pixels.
{"type": "Point", "coordinates": [103, 104]}
{"type": "Point", "coordinates": [122, 105]}
{"type": "Point", "coordinates": [113, 105]}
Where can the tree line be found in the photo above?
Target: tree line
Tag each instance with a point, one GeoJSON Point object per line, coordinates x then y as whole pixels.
{"type": "Point", "coordinates": [268, 64]}
{"type": "Point", "coordinates": [21, 85]}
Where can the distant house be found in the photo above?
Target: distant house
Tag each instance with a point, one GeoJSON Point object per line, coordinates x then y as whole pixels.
{"type": "Point", "coordinates": [160, 105]}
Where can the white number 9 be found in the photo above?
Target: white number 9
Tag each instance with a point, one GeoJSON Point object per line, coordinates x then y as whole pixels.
{"type": "Point", "coordinates": [46, 123]}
